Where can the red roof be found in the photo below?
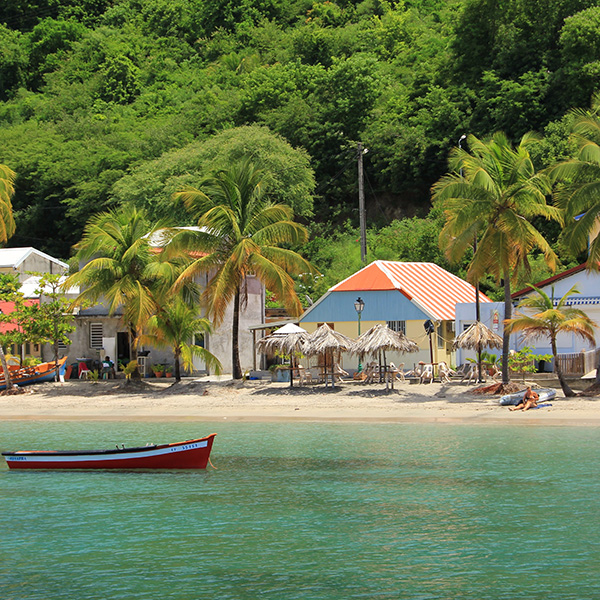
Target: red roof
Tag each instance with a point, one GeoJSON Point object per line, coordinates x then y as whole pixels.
{"type": "Point", "coordinates": [433, 289]}
{"type": "Point", "coordinates": [552, 279]}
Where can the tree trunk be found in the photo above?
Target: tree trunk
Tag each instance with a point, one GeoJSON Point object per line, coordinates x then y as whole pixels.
{"type": "Point", "coordinates": [235, 334]}
{"type": "Point", "coordinates": [567, 391]}
{"type": "Point", "coordinates": [177, 368]}
{"type": "Point", "coordinates": [133, 351]}
{"type": "Point", "coordinates": [506, 335]}
{"type": "Point", "coordinates": [5, 369]}
{"type": "Point", "coordinates": [55, 350]}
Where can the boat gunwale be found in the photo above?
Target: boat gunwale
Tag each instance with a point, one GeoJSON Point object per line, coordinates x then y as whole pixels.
{"type": "Point", "coordinates": [111, 451]}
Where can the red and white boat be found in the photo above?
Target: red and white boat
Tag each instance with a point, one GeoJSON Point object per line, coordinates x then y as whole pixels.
{"type": "Point", "coordinates": [191, 454]}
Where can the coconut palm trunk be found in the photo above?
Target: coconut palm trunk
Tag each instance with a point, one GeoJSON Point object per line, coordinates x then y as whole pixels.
{"type": "Point", "coordinates": [506, 333]}
{"type": "Point", "coordinates": [177, 356]}
{"type": "Point", "coordinates": [235, 337]}
{"type": "Point", "coordinates": [5, 369]}
{"type": "Point", "coordinates": [566, 388]}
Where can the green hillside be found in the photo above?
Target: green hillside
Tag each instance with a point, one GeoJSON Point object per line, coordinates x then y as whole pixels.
{"type": "Point", "coordinates": [110, 101]}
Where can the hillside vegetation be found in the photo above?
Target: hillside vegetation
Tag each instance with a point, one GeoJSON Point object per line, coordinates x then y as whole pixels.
{"type": "Point", "coordinates": [104, 102]}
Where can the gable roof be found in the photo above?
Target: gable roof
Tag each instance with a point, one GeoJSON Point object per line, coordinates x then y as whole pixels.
{"type": "Point", "coordinates": [433, 289]}
{"type": "Point", "coordinates": [550, 280]}
{"type": "Point", "coordinates": [14, 257]}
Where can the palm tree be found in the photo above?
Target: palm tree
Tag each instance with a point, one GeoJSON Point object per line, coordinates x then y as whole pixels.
{"type": "Point", "coordinates": [491, 196]}
{"type": "Point", "coordinates": [548, 320]}
{"type": "Point", "coordinates": [122, 269]}
{"type": "Point", "coordinates": [241, 234]}
{"type": "Point", "coordinates": [7, 190]}
{"type": "Point", "coordinates": [7, 229]}
{"type": "Point", "coordinates": [578, 192]}
{"type": "Point", "coordinates": [175, 326]}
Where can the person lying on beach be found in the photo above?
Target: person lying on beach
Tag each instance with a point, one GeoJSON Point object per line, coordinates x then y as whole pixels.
{"type": "Point", "coordinates": [529, 400]}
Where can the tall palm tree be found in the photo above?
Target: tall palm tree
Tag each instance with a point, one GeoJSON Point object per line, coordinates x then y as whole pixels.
{"type": "Point", "coordinates": [174, 327]}
{"type": "Point", "coordinates": [548, 320]}
{"type": "Point", "coordinates": [7, 190]}
{"type": "Point", "coordinates": [241, 234]}
{"type": "Point", "coordinates": [578, 190]}
{"type": "Point", "coordinates": [492, 195]}
{"type": "Point", "coordinates": [7, 229]}
{"type": "Point", "coordinates": [122, 268]}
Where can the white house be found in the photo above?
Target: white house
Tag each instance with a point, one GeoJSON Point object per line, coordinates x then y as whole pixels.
{"type": "Point", "coordinates": [492, 315]}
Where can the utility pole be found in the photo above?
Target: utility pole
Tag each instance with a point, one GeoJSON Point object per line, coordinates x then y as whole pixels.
{"type": "Point", "coordinates": [361, 206]}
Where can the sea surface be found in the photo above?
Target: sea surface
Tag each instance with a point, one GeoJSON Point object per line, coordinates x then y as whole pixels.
{"type": "Point", "coordinates": [308, 511]}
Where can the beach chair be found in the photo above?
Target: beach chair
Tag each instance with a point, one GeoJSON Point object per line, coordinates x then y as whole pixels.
{"type": "Point", "coordinates": [338, 372]}
{"type": "Point", "coordinates": [470, 373]}
{"type": "Point", "coordinates": [304, 375]}
{"type": "Point", "coordinates": [445, 372]}
{"type": "Point", "coordinates": [84, 372]}
{"type": "Point", "coordinates": [370, 373]}
{"type": "Point", "coordinates": [426, 374]}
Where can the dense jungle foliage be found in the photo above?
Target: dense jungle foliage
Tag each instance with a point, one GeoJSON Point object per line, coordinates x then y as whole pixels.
{"type": "Point", "coordinates": [104, 102]}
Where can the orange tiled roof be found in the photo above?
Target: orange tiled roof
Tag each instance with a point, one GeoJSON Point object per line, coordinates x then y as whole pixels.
{"type": "Point", "coordinates": [426, 284]}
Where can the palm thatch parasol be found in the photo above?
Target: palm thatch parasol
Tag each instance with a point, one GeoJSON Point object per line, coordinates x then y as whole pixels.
{"type": "Point", "coordinates": [380, 338]}
{"type": "Point", "coordinates": [476, 337]}
{"type": "Point", "coordinates": [328, 342]}
{"type": "Point", "coordinates": [287, 340]}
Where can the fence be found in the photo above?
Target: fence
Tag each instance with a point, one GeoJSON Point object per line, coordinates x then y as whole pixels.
{"type": "Point", "coordinates": [579, 363]}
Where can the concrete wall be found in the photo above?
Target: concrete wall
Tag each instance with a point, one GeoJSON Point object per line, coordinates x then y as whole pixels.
{"type": "Point", "coordinates": [219, 342]}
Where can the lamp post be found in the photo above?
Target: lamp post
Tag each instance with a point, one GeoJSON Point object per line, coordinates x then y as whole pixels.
{"type": "Point", "coordinates": [359, 306]}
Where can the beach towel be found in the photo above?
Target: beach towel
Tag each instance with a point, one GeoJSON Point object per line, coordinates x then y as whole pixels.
{"type": "Point", "coordinates": [541, 406]}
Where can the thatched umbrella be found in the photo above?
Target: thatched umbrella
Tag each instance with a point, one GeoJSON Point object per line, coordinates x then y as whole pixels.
{"type": "Point", "coordinates": [380, 338]}
{"type": "Point", "coordinates": [287, 340]}
{"type": "Point", "coordinates": [476, 337]}
{"type": "Point", "coordinates": [326, 341]}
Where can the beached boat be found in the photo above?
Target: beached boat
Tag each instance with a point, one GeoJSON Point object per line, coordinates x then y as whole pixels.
{"type": "Point", "coordinates": [36, 374]}
{"type": "Point", "coordinates": [191, 454]}
{"type": "Point", "coordinates": [545, 394]}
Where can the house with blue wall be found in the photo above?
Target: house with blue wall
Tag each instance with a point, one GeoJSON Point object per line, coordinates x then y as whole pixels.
{"type": "Point", "coordinates": [404, 296]}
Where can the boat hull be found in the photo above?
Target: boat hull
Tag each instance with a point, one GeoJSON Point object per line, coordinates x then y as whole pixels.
{"type": "Point", "coordinates": [191, 454]}
{"type": "Point", "coordinates": [545, 394]}
{"type": "Point", "coordinates": [38, 374]}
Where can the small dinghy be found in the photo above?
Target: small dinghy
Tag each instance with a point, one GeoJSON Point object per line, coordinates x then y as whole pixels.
{"type": "Point", "coordinates": [191, 454]}
{"type": "Point", "coordinates": [545, 394]}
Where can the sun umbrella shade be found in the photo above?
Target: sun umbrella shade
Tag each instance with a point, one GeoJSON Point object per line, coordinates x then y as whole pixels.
{"type": "Point", "coordinates": [326, 339]}
{"type": "Point", "coordinates": [477, 336]}
{"type": "Point", "coordinates": [381, 337]}
{"type": "Point", "coordinates": [277, 343]}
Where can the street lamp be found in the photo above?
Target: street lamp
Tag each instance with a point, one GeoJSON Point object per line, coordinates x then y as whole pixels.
{"type": "Point", "coordinates": [359, 306]}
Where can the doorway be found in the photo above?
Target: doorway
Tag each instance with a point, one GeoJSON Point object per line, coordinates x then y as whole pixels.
{"type": "Point", "coordinates": [197, 361]}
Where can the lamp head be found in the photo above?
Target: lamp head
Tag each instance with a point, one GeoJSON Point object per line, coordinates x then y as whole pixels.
{"type": "Point", "coordinates": [359, 305]}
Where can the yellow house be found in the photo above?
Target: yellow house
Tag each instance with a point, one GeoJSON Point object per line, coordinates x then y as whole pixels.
{"type": "Point", "coordinates": [414, 298]}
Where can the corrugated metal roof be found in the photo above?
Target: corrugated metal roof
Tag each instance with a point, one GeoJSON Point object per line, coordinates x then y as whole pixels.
{"type": "Point", "coordinates": [433, 289]}
{"type": "Point", "coordinates": [13, 257]}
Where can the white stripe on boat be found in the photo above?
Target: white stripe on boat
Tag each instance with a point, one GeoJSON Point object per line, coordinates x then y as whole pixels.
{"type": "Point", "coordinates": [35, 457]}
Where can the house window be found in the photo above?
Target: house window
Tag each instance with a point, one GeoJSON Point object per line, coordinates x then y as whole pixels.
{"type": "Point", "coordinates": [96, 335]}
{"type": "Point", "coordinates": [440, 337]}
{"type": "Point", "coordinates": [399, 326]}
{"type": "Point", "coordinates": [61, 346]}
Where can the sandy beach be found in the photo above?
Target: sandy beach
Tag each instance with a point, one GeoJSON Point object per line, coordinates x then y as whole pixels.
{"type": "Point", "coordinates": [201, 400]}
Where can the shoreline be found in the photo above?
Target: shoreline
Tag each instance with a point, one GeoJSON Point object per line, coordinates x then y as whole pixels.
{"type": "Point", "coordinates": [200, 400]}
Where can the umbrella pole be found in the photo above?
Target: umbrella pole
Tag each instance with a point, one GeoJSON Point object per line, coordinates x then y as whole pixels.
{"type": "Point", "coordinates": [385, 373]}
{"type": "Point", "coordinates": [292, 370]}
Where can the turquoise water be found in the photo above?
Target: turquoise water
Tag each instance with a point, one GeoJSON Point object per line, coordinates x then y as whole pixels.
{"type": "Point", "coordinates": [308, 511]}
